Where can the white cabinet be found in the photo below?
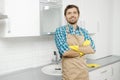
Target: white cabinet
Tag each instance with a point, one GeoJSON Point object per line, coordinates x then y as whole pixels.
{"type": "Point", "coordinates": [110, 72]}
{"type": "Point", "coordinates": [98, 20]}
{"type": "Point", "coordinates": [104, 73]}
{"type": "Point", "coordinates": [116, 71]}
{"type": "Point", "coordinates": [1, 6]}
{"type": "Point", "coordinates": [23, 18]}
{"type": "Point", "coordinates": [89, 15]}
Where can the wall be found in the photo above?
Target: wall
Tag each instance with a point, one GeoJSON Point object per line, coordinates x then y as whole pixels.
{"type": "Point", "coordinates": [21, 53]}
{"type": "Point", "coordinates": [116, 28]}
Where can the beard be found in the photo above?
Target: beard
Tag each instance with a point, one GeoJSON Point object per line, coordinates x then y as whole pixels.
{"type": "Point", "coordinates": [72, 20]}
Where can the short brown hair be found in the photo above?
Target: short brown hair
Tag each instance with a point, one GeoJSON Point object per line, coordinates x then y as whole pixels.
{"type": "Point", "coordinates": [71, 6]}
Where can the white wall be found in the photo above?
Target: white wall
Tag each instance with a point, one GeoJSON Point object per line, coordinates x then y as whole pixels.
{"type": "Point", "coordinates": [116, 28]}
{"type": "Point", "coordinates": [21, 53]}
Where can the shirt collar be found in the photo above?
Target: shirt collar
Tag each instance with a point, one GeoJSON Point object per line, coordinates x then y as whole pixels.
{"type": "Point", "coordinates": [71, 27]}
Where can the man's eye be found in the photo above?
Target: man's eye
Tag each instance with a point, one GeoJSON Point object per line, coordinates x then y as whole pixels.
{"type": "Point", "coordinates": [75, 12]}
{"type": "Point", "coordinates": [69, 13]}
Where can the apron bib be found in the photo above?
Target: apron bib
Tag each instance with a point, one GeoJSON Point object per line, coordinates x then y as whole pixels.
{"type": "Point", "coordinates": [74, 68]}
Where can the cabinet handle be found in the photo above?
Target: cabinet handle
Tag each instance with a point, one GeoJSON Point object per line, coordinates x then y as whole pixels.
{"type": "Point", "coordinates": [8, 25]}
{"type": "Point", "coordinates": [104, 71]}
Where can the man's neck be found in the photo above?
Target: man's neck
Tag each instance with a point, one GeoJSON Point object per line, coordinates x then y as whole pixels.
{"type": "Point", "coordinates": [74, 26]}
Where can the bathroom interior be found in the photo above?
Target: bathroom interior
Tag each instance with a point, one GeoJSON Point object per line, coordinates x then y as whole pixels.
{"type": "Point", "coordinates": [27, 46]}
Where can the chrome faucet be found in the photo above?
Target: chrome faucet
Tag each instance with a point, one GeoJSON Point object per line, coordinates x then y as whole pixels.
{"type": "Point", "coordinates": [56, 59]}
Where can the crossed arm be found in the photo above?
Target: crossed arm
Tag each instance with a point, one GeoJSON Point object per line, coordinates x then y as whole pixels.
{"type": "Point", "coordinates": [66, 51]}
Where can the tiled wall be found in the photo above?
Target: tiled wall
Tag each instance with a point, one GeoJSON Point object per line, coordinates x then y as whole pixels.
{"type": "Point", "coordinates": [21, 53]}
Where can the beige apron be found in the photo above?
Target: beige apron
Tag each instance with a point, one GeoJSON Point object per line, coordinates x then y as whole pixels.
{"type": "Point", "coordinates": [74, 68]}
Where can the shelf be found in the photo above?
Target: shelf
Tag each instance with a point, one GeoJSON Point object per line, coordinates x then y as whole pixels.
{"type": "Point", "coordinates": [50, 1]}
{"type": "Point", "coordinates": [48, 33]}
{"type": "Point", "coordinates": [92, 34]}
{"type": "Point", "coordinates": [53, 33]}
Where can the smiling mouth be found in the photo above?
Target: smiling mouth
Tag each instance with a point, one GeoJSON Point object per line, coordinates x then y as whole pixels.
{"type": "Point", "coordinates": [72, 18]}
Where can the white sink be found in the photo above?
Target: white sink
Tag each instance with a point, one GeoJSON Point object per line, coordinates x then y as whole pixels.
{"type": "Point", "coordinates": [52, 69]}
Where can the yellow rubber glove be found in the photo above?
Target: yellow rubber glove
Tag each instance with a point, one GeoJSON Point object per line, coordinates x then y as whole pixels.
{"type": "Point", "coordinates": [76, 48]}
{"type": "Point", "coordinates": [81, 54]}
{"type": "Point", "coordinates": [86, 43]}
{"type": "Point", "coordinates": [93, 65]}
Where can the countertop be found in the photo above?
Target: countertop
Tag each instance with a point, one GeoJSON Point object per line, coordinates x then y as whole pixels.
{"type": "Point", "coordinates": [37, 74]}
{"type": "Point", "coordinates": [104, 61]}
{"type": "Point", "coordinates": [101, 61]}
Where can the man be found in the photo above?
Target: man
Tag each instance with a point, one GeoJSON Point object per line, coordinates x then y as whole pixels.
{"type": "Point", "coordinates": [71, 42]}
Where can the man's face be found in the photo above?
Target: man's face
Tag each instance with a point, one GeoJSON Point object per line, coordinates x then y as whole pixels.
{"type": "Point", "coordinates": [72, 16]}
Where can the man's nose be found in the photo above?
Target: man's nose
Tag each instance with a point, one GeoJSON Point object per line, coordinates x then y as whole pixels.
{"type": "Point", "coordinates": [72, 14]}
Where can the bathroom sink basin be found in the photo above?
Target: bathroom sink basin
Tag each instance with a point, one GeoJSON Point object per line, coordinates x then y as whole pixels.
{"type": "Point", "coordinates": [52, 69]}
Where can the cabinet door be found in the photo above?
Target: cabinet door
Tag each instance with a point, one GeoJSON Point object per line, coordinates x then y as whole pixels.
{"type": "Point", "coordinates": [103, 73]}
{"type": "Point", "coordinates": [1, 6]}
{"type": "Point", "coordinates": [92, 75]}
{"type": "Point", "coordinates": [89, 15]}
{"type": "Point", "coordinates": [116, 71]}
{"type": "Point", "coordinates": [23, 18]}
{"type": "Point", "coordinates": [95, 75]}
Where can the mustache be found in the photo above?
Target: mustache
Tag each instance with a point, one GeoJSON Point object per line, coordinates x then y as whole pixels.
{"type": "Point", "coordinates": [72, 17]}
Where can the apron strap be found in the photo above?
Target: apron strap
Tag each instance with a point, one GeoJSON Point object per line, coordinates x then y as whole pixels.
{"type": "Point", "coordinates": [67, 30]}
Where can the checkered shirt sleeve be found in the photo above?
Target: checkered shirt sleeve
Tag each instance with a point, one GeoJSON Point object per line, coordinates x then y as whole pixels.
{"type": "Point", "coordinates": [60, 40]}
{"type": "Point", "coordinates": [88, 37]}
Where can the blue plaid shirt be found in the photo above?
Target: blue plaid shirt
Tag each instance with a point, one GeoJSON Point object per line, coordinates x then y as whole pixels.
{"type": "Point", "coordinates": [61, 41]}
